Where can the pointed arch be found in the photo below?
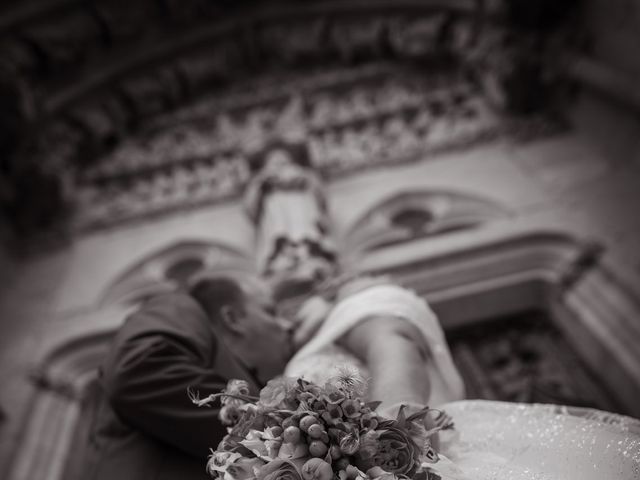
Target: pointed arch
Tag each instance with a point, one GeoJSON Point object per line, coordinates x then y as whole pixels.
{"type": "Point", "coordinates": [173, 267]}
{"type": "Point", "coordinates": [65, 381]}
{"type": "Point", "coordinates": [420, 213]}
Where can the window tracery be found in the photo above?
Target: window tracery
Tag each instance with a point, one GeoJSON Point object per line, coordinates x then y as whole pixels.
{"type": "Point", "coordinates": [414, 214]}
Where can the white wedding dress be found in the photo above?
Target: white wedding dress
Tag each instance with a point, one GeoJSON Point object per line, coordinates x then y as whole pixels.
{"type": "Point", "coordinates": [491, 440]}
{"type": "Point", "coordinates": [316, 359]}
{"type": "Point", "coordinates": [509, 441]}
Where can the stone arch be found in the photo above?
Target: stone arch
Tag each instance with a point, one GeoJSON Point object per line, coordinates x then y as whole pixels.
{"type": "Point", "coordinates": [173, 267]}
{"type": "Point", "coordinates": [419, 213]}
{"type": "Point", "coordinates": [65, 383]}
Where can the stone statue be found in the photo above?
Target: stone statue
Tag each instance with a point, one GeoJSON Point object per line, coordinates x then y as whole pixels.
{"type": "Point", "coordinates": [285, 199]}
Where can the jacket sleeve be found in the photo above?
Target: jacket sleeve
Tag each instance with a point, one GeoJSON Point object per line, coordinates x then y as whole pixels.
{"type": "Point", "coordinates": [146, 379]}
{"type": "Point", "coordinates": [149, 393]}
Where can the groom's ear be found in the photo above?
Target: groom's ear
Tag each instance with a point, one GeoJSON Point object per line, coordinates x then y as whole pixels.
{"type": "Point", "coordinates": [232, 319]}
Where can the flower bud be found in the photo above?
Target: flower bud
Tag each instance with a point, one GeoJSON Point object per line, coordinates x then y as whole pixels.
{"type": "Point", "coordinates": [335, 452]}
{"type": "Point", "coordinates": [292, 434]}
{"type": "Point", "coordinates": [318, 449]}
{"type": "Point", "coordinates": [229, 414]}
{"type": "Point", "coordinates": [237, 387]}
{"type": "Point", "coordinates": [351, 408]}
{"type": "Point", "coordinates": [306, 422]}
{"type": "Point", "coordinates": [289, 422]}
{"type": "Point", "coordinates": [316, 469]}
{"type": "Point", "coordinates": [271, 422]}
{"type": "Point", "coordinates": [315, 431]}
{"type": "Point", "coordinates": [353, 473]}
{"type": "Point", "coordinates": [341, 463]}
{"type": "Point", "coordinates": [349, 444]}
{"type": "Point", "coordinates": [369, 421]}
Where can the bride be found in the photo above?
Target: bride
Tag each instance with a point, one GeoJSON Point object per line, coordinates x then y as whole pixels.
{"type": "Point", "coordinates": [392, 336]}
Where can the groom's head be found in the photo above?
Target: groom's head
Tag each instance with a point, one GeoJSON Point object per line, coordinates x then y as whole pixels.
{"type": "Point", "coordinates": [247, 323]}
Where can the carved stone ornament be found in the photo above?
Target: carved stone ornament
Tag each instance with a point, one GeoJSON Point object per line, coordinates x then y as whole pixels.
{"type": "Point", "coordinates": [286, 201]}
{"type": "Point", "coordinates": [133, 119]}
{"type": "Point", "coordinates": [342, 120]}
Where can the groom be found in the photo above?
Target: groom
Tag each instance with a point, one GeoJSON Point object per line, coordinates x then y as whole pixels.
{"type": "Point", "coordinates": [146, 426]}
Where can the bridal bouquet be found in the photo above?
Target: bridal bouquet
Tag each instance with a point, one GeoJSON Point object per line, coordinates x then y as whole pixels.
{"type": "Point", "coordinates": [297, 430]}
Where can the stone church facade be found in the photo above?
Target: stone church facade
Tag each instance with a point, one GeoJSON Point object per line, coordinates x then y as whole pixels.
{"type": "Point", "coordinates": [486, 158]}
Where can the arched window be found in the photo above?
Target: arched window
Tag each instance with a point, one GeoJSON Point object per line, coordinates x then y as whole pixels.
{"type": "Point", "coordinates": [184, 269]}
{"type": "Point", "coordinates": [416, 214]}
{"type": "Point", "coordinates": [173, 267]}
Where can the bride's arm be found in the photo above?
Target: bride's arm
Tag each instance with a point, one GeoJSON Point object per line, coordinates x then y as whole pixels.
{"type": "Point", "coordinates": [395, 353]}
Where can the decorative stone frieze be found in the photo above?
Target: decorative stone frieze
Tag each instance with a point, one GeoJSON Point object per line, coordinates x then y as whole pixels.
{"type": "Point", "coordinates": [342, 125]}
{"type": "Point", "coordinates": [111, 75]}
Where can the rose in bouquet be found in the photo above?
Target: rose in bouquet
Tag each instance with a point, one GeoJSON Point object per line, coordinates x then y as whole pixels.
{"type": "Point", "coordinates": [297, 430]}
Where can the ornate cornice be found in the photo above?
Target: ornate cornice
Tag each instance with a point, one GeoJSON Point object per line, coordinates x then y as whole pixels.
{"type": "Point", "coordinates": [344, 124]}
{"type": "Point", "coordinates": [99, 74]}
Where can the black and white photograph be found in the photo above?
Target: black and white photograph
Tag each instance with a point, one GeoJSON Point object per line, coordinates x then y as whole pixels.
{"type": "Point", "coordinates": [320, 239]}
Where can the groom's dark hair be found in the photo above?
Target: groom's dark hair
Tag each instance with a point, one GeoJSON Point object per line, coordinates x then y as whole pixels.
{"type": "Point", "coordinates": [214, 293]}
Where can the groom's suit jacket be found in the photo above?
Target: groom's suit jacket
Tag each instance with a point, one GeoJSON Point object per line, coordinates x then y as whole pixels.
{"type": "Point", "coordinates": [145, 426]}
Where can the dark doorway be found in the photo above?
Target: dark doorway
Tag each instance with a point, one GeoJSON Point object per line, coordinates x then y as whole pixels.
{"type": "Point", "coordinates": [526, 358]}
